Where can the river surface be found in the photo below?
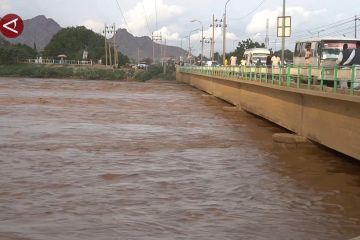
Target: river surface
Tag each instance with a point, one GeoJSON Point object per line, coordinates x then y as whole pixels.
{"type": "Point", "coordinates": [125, 160]}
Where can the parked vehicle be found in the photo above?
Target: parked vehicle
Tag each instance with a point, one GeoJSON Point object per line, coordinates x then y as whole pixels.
{"type": "Point", "coordinates": [212, 64]}
{"type": "Point", "coordinates": [142, 66]}
{"type": "Point", "coordinates": [323, 54]}
{"type": "Point", "coordinates": [323, 51]}
{"type": "Point", "coordinates": [253, 55]}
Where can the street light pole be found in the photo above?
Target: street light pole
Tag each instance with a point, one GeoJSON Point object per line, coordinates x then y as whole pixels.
{"type": "Point", "coordinates": [213, 39]}
{"type": "Point", "coordinates": [202, 40]}
{"type": "Point", "coordinates": [224, 34]}
{"type": "Point", "coordinates": [356, 19]}
{"type": "Point", "coordinates": [283, 36]}
{"type": "Point", "coordinates": [189, 42]}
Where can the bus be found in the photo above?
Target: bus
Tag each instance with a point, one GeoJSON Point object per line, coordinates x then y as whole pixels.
{"type": "Point", "coordinates": [323, 51]}
{"type": "Point", "coordinates": [252, 56]}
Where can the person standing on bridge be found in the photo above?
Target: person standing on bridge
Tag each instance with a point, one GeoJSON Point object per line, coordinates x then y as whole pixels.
{"type": "Point", "coordinates": [268, 60]}
{"type": "Point", "coordinates": [354, 59]}
{"type": "Point", "coordinates": [343, 56]}
{"type": "Point", "coordinates": [276, 60]}
{"type": "Point", "coordinates": [233, 60]}
{"type": "Point", "coordinates": [307, 55]}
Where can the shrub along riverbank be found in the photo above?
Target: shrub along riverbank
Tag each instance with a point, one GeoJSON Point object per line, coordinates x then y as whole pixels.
{"type": "Point", "coordinates": [43, 71]}
{"type": "Point", "coordinates": [156, 72]}
{"type": "Point", "coordinates": [90, 73]}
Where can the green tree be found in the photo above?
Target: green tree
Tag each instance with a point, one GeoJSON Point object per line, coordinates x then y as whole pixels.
{"type": "Point", "coordinates": [123, 59]}
{"type": "Point", "coordinates": [243, 45]}
{"type": "Point", "coordinates": [217, 57]}
{"type": "Point", "coordinates": [288, 54]}
{"type": "Point", "coordinates": [72, 41]}
{"type": "Point", "coordinates": [11, 54]}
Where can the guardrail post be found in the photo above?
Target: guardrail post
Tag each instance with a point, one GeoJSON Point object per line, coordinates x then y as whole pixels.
{"type": "Point", "coordinates": [336, 77]}
{"type": "Point", "coordinates": [322, 78]}
{"type": "Point", "coordinates": [280, 75]}
{"type": "Point", "coordinates": [261, 68]}
{"type": "Point", "coordinates": [288, 75]}
{"type": "Point", "coordinates": [309, 76]}
{"type": "Point", "coordinates": [266, 73]}
{"type": "Point", "coordinates": [353, 79]}
{"type": "Point", "coordinates": [272, 75]}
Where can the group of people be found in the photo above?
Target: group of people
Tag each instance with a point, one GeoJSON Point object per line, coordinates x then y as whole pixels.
{"type": "Point", "coordinates": [349, 57]}
{"type": "Point", "coordinates": [273, 60]}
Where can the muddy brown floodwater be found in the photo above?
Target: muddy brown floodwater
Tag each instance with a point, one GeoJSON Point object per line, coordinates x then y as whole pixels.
{"type": "Point", "coordinates": [125, 160]}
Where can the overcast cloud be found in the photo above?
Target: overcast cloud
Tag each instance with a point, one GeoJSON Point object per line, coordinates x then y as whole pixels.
{"type": "Point", "coordinates": [245, 18]}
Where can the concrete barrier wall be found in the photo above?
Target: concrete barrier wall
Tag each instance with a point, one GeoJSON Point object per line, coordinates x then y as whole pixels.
{"type": "Point", "coordinates": [327, 118]}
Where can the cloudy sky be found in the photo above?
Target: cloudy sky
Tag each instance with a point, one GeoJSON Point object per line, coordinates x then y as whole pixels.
{"type": "Point", "coordinates": [246, 19]}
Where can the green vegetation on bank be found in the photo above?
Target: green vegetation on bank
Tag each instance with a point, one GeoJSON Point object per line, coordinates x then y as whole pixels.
{"type": "Point", "coordinates": [72, 42]}
{"type": "Point", "coordinates": [43, 71]}
{"type": "Point", "coordinates": [11, 54]}
{"type": "Point", "coordinates": [157, 72]}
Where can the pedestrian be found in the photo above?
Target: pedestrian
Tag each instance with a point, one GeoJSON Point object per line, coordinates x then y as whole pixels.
{"type": "Point", "coordinates": [243, 62]}
{"type": "Point", "coordinates": [226, 62]}
{"type": "Point", "coordinates": [343, 56]}
{"type": "Point", "coordinates": [354, 59]}
{"type": "Point", "coordinates": [233, 60]}
{"type": "Point", "coordinates": [307, 55]}
{"type": "Point", "coordinates": [268, 60]}
{"type": "Point", "coordinates": [258, 63]}
{"type": "Point", "coordinates": [275, 60]}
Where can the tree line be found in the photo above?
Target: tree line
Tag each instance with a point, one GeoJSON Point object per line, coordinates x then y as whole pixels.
{"type": "Point", "coordinates": [248, 44]}
{"type": "Point", "coordinates": [71, 41]}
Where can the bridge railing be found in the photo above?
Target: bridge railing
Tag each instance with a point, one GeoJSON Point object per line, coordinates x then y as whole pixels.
{"type": "Point", "coordinates": [344, 80]}
{"type": "Point", "coordinates": [58, 61]}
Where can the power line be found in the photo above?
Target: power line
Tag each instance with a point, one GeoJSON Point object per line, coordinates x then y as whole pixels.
{"type": "Point", "coordinates": [156, 16]}
{"type": "Point", "coordinates": [146, 18]}
{"type": "Point", "coordinates": [251, 12]}
{"type": "Point", "coordinates": [122, 14]}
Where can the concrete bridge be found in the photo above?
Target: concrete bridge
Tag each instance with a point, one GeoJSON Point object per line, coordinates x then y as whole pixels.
{"type": "Point", "coordinates": [299, 102]}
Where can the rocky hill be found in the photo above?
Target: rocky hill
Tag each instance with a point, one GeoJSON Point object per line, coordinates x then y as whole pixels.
{"type": "Point", "coordinates": [129, 46]}
{"type": "Point", "coordinates": [38, 30]}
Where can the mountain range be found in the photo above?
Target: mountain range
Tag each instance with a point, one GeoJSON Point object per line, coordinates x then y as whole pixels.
{"type": "Point", "coordinates": [38, 31]}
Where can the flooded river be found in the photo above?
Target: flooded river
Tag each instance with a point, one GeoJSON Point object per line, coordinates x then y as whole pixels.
{"type": "Point", "coordinates": [107, 160]}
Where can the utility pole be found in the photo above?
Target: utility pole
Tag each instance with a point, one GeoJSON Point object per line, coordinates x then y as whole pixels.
{"type": "Point", "coordinates": [114, 46]}
{"type": "Point", "coordinates": [138, 55]}
{"type": "Point", "coordinates": [224, 34]}
{"type": "Point", "coordinates": [213, 39]}
{"type": "Point", "coordinates": [110, 61]}
{"type": "Point", "coordinates": [181, 50]}
{"type": "Point", "coordinates": [156, 38]}
{"type": "Point", "coordinates": [165, 63]}
{"type": "Point", "coordinates": [356, 19]}
{"type": "Point", "coordinates": [217, 23]}
{"type": "Point", "coordinates": [106, 62]}
{"type": "Point", "coordinates": [189, 49]}
{"type": "Point", "coordinates": [267, 34]}
{"type": "Point", "coordinates": [283, 36]}
{"type": "Point", "coordinates": [207, 41]}
{"type": "Point", "coordinates": [153, 51]}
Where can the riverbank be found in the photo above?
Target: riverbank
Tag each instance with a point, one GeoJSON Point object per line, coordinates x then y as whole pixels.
{"type": "Point", "coordinates": [85, 72]}
{"type": "Point", "coordinates": [46, 71]}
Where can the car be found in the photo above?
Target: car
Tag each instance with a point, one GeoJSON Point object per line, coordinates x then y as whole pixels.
{"type": "Point", "coordinates": [142, 66]}
{"type": "Point", "coordinates": [212, 64]}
